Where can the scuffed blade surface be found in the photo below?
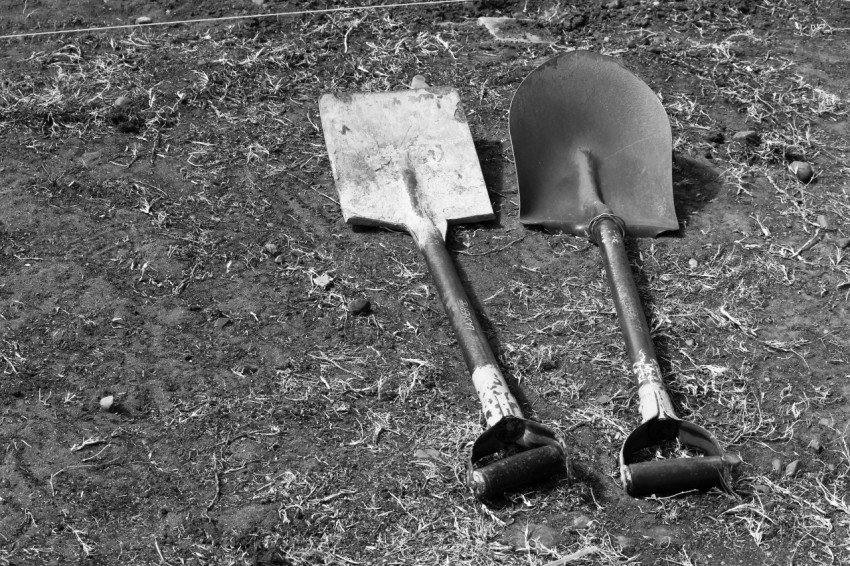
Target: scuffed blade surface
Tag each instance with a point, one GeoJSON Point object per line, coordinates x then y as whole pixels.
{"type": "Point", "coordinates": [400, 156]}
{"type": "Point", "coordinates": [586, 101]}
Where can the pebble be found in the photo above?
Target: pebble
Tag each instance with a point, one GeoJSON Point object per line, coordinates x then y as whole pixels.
{"type": "Point", "coordinates": [122, 102]}
{"type": "Point", "coordinates": [428, 454]}
{"type": "Point", "coordinates": [802, 170]}
{"type": "Point", "coordinates": [221, 322]}
{"type": "Point", "coordinates": [751, 137]}
{"type": "Point", "coordinates": [793, 468]}
{"type": "Point", "coordinates": [525, 535]}
{"type": "Point", "coordinates": [578, 521]}
{"type": "Point", "coordinates": [603, 399]}
{"type": "Point", "coordinates": [141, 20]}
{"type": "Point", "coordinates": [776, 465]}
{"type": "Point", "coordinates": [626, 545]}
{"type": "Point", "coordinates": [418, 82]}
{"type": "Point", "coordinates": [360, 306]}
{"type": "Point", "coordinates": [107, 402]}
{"type": "Point", "coordinates": [258, 2]}
{"type": "Point", "coordinates": [842, 242]}
{"type": "Point", "coordinates": [816, 445]}
{"type": "Point", "coordinates": [828, 422]}
{"type": "Point", "coordinates": [324, 281]}
{"type": "Point", "coordinates": [693, 263]}
{"type": "Point", "coordinates": [271, 248]}
{"type": "Point", "coordinates": [616, 4]}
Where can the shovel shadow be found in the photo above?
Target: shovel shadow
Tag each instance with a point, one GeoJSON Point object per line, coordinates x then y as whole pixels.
{"type": "Point", "coordinates": [695, 184]}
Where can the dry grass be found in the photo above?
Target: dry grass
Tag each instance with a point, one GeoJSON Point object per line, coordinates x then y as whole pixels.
{"type": "Point", "coordinates": [384, 404]}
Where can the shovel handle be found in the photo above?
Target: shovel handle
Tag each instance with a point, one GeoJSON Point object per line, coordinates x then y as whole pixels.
{"type": "Point", "coordinates": [518, 470]}
{"type": "Point", "coordinates": [655, 402]}
{"type": "Point", "coordinates": [497, 401]}
{"type": "Point", "coordinates": [678, 475]}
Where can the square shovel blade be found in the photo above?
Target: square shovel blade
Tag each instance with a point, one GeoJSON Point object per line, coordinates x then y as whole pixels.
{"type": "Point", "coordinates": [402, 157]}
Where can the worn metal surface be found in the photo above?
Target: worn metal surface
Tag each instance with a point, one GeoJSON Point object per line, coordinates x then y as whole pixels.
{"type": "Point", "coordinates": [586, 103]}
{"type": "Point", "coordinates": [403, 156]}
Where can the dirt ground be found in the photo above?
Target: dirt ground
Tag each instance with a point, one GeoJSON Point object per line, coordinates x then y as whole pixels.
{"type": "Point", "coordinates": [184, 380]}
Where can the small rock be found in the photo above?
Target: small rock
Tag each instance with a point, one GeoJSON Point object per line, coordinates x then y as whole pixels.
{"type": "Point", "coordinates": [828, 422]}
{"type": "Point", "coordinates": [360, 306]}
{"type": "Point", "coordinates": [428, 454]}
{"type": "Point", "coordinates": [258, 2]}
{"type": "Point", "coordinates": [221, 322]}
{"type": "Point", "coordinates": [614, 5]}
{"type": "Point", "coordinates": [751, 137]}
{"type": "Point", "coordinates": [715, 137]}
{"type": "Point", "coordinates": [603, 399]}
{"type": "Point", "coordinates": [823, 222]}
{"type": "Point", "coordinates": [141, 20]}
{"type": "Point", "coordinates": [122, 102]}
{"type": "Point", "coordinates": [279, 259]}
{"type": "Point", "coordinates": [776, 465]}
{"type": "Point", "coordinates": [802, 170]}
{"type": "Point", "coordinates": [418, 81]}
{"type": "Point", "coordinates": [662, 535]}
{"type": "Point", "coordinates": [693, 263]}
{"type": "Point", "coordinates": [271, 248]}
{"type": "Point", "coordinates": [323, 281]}
{"type": "Point", "coordinates": [522, 536]}
{"type": "Point", "coordinates": [107, 402]}
{"type": "Point", "coordinates": [842, 242]}
{"type": "Point", "coordinates": [624, 544]}
{"type": "Point", "coordinates": [578, 521]}
{"type": "Point", "coordinates": [816, 445]}
{"type": "Point", "coordinates": [793, 468]}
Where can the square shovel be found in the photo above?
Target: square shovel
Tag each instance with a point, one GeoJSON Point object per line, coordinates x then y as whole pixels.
{"type": "Point", "coordinates": [405, 160]}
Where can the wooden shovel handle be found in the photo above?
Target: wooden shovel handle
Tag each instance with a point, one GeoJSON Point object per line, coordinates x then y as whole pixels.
{"type": "Point", "coordinates": [496, 399]}
{"type": "Point", "coordinates": [654, 400]}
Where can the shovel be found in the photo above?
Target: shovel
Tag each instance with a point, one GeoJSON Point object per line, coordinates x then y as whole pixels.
{"type": "Point", "coordinates": [405, 160]}
{"type": "Point", "coordinates": [593, 153]}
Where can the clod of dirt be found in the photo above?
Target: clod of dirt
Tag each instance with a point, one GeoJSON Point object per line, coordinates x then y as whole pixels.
{"type": "Point", "coordinates": [122, 102]}
{"type": "Point", "coordinates": [802, 170]}
{"type": "Point", "coordinates": [715, 137]}
{"type": "Point", "coordinates": [793, 468]}
{"type": "Point", "coordinates": [360, 306]}
{"type": "Point", "coordinates": [271, 248]}
{"type": "Point", "coordinates": [751, 137]}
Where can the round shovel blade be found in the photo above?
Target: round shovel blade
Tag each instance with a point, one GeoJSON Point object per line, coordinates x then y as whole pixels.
{"type": "Point", "coordinates": [586, 103]}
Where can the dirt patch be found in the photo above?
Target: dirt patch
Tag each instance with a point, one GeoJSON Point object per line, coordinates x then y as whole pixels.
{"type": "Point", "coordinates": [170, 237]}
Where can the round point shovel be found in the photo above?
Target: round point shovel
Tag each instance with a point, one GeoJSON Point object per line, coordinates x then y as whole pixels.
{"type": "Point", "coordinates": [593, 154]}
{"type": "Point", "coordinates": [406, 160]}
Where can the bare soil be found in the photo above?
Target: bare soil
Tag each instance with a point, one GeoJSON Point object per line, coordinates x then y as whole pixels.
{"type": "Point", "coordinates": [170, 238]}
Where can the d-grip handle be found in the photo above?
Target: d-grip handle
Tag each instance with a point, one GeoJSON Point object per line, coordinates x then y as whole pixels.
{"type": "Point", "coordinates": [677, 475]}
{"type": "Point", "coordinates": [508, 474]}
